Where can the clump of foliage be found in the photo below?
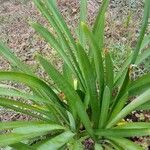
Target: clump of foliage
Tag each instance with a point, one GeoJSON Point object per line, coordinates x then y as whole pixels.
{"type": "Point", "coordinates": [89, 100]}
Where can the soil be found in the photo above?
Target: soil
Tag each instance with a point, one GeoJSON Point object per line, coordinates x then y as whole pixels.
{"type": "Point", "coordinates": [15, 16]}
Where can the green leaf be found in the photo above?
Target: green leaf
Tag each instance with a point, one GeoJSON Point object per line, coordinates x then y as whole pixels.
{"type": "Point", "coordinates": [71, 121]}
{"type": "Point", "coordinates": [21, 146]}
{"type": "Point", "coordinates": [37, 128]}
{"type": "Point", "coordinates": [52, 41]}
{"type": "Point", "coordinates": [134, 125]}
{"type": "Point", "coordinates": [23, 108]}
{"type": "Point", "coordinates": [140, 85]}
{"type": "Point", "coordinates": [104, 107]}
{"type": "Point", "coordinates": [122, 72]}
{"type": "Point", "coordinates": [143, 30]}
{"type": "Point", "coordinates": [83, 18]}
{"type": "Point", "coordinates": [143, 98]}
{"type": "Point", "coordinates": [64, 36]}
{"type": "Point", "coordinates": [98, 146]}
{"type": "Point", "coordinates": [76, 145]}
{"type": "Point", "coordinates": [98, 62]}
{"type": "Point", "coordinates": [16, 124]}
{"type": "Point", "coordinates": [145, 42]}
{"type": "Point", "coordinates": [67, 73]}
{"type": "Point", "coordinates": [109, 73]}
{"type": "Point", "coordinates": [90, 80]}
{"type": "Point", "coordinates": [57, 142]}
{"type": "Point", "coordinates": [121, 103]}
{"type": "Point", "coordinates": [17, 93]}
{"type": "Point", "coordinates": [145, 106]}
{"type": "Point", "coordinates": [61, 23]}
{"type": "Point", "coordinates": [114, 145]}
{"type": "Point", "coordinates": [56, 45]}
{"type": "Point", "coordinates": [14, 61]}
{"type": "Point", "coordinates": [73, 99]}
{"type": "Point", "coordinates": [99, 24]}
{"type": "Point", "coordinates": [27, 133]}
{"type": "Point", "coordinates": [125, 144]}
{"type": "Point", "coordinates": [34, 83]}
{"type": "Point", "coordinates": [144, 55]}
{"type": "Point", "coordinates": [123, 89]}
{"type": "Point", "coordinates": [129, 132]}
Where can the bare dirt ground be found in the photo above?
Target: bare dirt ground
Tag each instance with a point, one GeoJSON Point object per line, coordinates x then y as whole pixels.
{"type": "Point", "coordinates": [15, 16]}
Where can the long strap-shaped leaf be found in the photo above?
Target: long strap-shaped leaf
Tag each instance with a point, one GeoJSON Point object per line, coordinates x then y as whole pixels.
{"type": "Point", "coordinates": [145, 42]}
{"type": "Point", "coordinates": [121, 103]}
{"type": "Point", "coordinates": [123, 132]}
{"type": "Point", "coordinates": [74, 101]}
{"type": "Point", "coordinates": [24, 108]}
{"type": "Point", "coordinates": [83, 18]}
{"type": "Point", "coordinates": [104, 107]}
{"type": "Point", "coordinates": [28, 132]}
{"type": "Point", "coordinates": [134, 125]}
{"type": "Point", "coordinates": [48, 36]}
{"type": "Point", "coordinates": [60, 21]}
{"type": "Point", "coordinates": [139, 85]}
{"type": "Point", "coordinates": [38, 128]}
{"type": "Point", "coordinates": [145, 106]}
{"type": "Point", "coordinates": [145, 97]}
{"type": "Point", "coordinates": [99, 24]}
{"type": "Point", "coordinates": [17, 93]}
{"type": "Point", "coordinates": [56, 142]}
{"type": "Point", "coordinates": [90, 80]}
{"type": "Point", "coordinates": [125, 144]}
{"type": "Point", "coordinates": [47, 12]}
{"type": "Point", "coordinates": [21, 146]}
{"type": "Point", "coordinates": [98, 146]}
{"type": "Point", "coordinates": [17, 124]}
{"type": "Point", "coordinates": [48, 109]}
{"type": "Point", "coordinates": [109, 71]}
{"type": "Point", "coordinates": [97, 55]}
{"type": "Point", "coordinates": [144, 55]}
{"type": "Point", "coordinates": [14, 61]}
{"type": "Point", "coordinates": [143, 30]}
{"type": "Point", "coordinates": [32, 82]}
{"type": "Point", "coordinates": [56, 20]}
{"type": "Point", "coordinates": [56, 45]}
